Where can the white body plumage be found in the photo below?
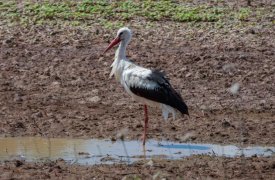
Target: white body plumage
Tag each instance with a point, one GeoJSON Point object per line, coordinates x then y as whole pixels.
{"type": "Point", "coordinates": [132, 75]}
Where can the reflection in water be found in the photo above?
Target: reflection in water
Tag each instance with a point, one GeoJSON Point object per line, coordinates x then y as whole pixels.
{"type": "Point", "coordinates": [94, 151]}
{"type": "Point", "coordinates": [185, 146]}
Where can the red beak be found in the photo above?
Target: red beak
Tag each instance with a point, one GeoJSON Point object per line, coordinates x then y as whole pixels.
{"type": "Point", "coordinates": [112, 44]}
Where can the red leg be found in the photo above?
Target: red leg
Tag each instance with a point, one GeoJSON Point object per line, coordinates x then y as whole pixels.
{"type": "Point", "coordinates": [145, 124]}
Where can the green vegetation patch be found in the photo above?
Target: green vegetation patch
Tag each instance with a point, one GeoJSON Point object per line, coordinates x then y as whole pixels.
{"type": "Point", "coordinates": [81, 12]}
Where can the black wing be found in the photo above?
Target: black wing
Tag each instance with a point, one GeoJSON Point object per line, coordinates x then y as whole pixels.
{"type": "Point", "coordinates": [159, 90]}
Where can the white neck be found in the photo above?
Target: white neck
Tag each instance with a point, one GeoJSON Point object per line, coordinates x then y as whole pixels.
{"type": "Point", "coordinates": [121, 50]}
{"type": "Point", "coordinates": [120, 60]}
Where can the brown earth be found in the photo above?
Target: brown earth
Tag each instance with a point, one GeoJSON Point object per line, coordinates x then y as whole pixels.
{"type": "Point", "coordinates": [198, 167]}
{"type": "Point", "coordinates": [54, 82]}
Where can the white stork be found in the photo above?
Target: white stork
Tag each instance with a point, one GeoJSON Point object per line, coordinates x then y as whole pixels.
{"type": "Point", "coordinates": [149, 87]}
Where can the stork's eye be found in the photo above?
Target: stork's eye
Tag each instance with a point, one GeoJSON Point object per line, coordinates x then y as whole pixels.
{"type": "Point", "coordinates": [120, 33]}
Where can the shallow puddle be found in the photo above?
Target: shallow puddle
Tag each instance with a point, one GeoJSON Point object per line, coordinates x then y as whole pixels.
{"type": "Point", "coordinates": [94, 151]}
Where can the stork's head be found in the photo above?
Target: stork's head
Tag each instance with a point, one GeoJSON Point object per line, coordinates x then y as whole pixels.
{"type": "Point", "coordinates": [124, 35]}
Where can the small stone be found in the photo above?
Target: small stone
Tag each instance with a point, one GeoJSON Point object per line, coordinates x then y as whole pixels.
{"type": "Point", "coordinates": [188, 74]}
{"type": "Point", "coordinates": [188, 136]}
{"type": "Point", "coordinates": [150, 163]}
{"type": "Point", "coordinates": [37, 115]}
{"type": "Point", "coordinates": [234, 89]}
{"type": "Point", "coordinates": [101, 59]}
{"type": "Point", "coordinates": [55, 85]}
{"type": "Point", "coordinates": [94, 99]}
{"type": "Point", "coordinates": [95, 91]}
{"type": "Point", "coordinates": [183, 69]}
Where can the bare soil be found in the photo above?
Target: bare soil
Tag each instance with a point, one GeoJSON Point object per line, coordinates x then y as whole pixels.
{"type": "Point", "coordinates": [55, 82]}
{"type": "Point", "coordinates": [197, 167]}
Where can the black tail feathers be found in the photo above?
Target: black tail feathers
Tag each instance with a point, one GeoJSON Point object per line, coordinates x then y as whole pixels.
{"type": "Point", "coordinates": [182, 107]}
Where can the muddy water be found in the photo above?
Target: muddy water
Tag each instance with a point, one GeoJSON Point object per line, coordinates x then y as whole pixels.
{"type": "Point", "coordinates": [94, 151]}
